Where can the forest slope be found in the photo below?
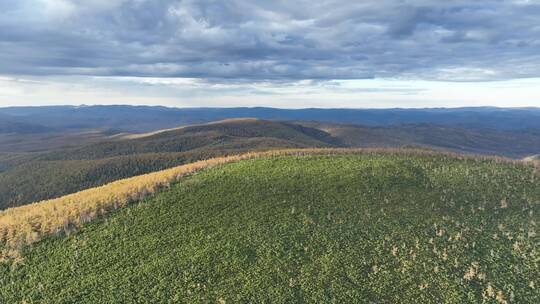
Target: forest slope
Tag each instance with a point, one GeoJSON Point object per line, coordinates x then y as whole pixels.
{"type": "Point", "coordinates": [36, 176]}
{"type": "Point", "coordinates": [27, 177]}
{"type": "Point", "coordinates": [464, 140]}
{"type": "Point", "coordinates": [327, 228]}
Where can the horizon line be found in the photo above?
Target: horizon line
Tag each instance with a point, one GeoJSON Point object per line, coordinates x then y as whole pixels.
{"type": "Point", "coordinates": [267, 107]}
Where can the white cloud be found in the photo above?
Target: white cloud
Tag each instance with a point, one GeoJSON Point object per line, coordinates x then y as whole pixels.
{"type": "Point", "coordinates": [58, 10]}
{"type": "Point", "coordinates": [332, 52]}
{"type": "Point", "coordinates": [190, 92]}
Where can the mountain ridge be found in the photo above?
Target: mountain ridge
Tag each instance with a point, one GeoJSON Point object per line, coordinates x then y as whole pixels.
{"type": "Point", "coordinates": [149, 118]}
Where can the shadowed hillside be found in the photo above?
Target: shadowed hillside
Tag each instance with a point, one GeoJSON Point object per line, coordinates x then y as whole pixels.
{"type": "Point", "coordinates": [7, 126]}
{"type": "Point", "coordinates": [478, 141]}
{"type": "Point", "coordinates": [227, 133]}
{"type": "Point", "coordinates": [33, 177]}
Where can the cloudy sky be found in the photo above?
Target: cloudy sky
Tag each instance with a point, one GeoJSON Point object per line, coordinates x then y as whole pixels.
{"type": "Point", "coordinates": [326, 53]}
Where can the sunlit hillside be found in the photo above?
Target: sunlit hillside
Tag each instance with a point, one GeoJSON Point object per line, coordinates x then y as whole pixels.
{"type": "Point", "coordinates": [399, 227]}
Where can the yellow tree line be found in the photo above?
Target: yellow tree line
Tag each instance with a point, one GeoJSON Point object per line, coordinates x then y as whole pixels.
{"type": "Point", "coordinates": [27, 224]}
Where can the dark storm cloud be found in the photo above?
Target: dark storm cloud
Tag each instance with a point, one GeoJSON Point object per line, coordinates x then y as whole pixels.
{"type": "Point", "coordinates": [271, 40]}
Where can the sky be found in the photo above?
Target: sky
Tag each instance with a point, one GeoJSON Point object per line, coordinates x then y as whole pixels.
{"type": "Point", "coordinates": [288, 54]}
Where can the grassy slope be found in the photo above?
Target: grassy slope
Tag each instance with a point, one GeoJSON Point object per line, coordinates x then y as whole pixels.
{"type": "Point", "coordinates": [381, 228]}
{"type": "Point", "coordinates": [48, 175]}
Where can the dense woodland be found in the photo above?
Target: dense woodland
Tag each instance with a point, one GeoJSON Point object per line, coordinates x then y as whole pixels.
{"type": "Point", "coordinates": [34, 177]}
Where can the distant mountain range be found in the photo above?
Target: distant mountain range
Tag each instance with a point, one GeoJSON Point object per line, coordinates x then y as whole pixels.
{"type": "Point", "coordinates": [147, 118]}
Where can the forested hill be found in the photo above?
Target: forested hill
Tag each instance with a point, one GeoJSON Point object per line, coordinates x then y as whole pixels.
{"type": "Point", "coordinates": [28, 177]}
{"type": "Point", "coordinates": [232, 133]}
{"type": "Point", "coordinates": [36, 176]}
{"type": "Point", "coordinates": [350, 228]}
{"type": "Point", "coordinates": [514, 144]}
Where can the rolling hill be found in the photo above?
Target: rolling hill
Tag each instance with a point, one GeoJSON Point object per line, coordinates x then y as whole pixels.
{"type": "Point", "coordinates": [28, 177]}
{"type": "Point", "coordinates": [319, 227]}
{"type": "Point", "coordinates": [36, 176]}
{"type": "Point", "coordinates": [477, 141]}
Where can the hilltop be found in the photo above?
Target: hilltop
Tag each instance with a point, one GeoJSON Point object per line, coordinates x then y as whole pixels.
{"type": "Point", "coordinates": [390, 227]}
